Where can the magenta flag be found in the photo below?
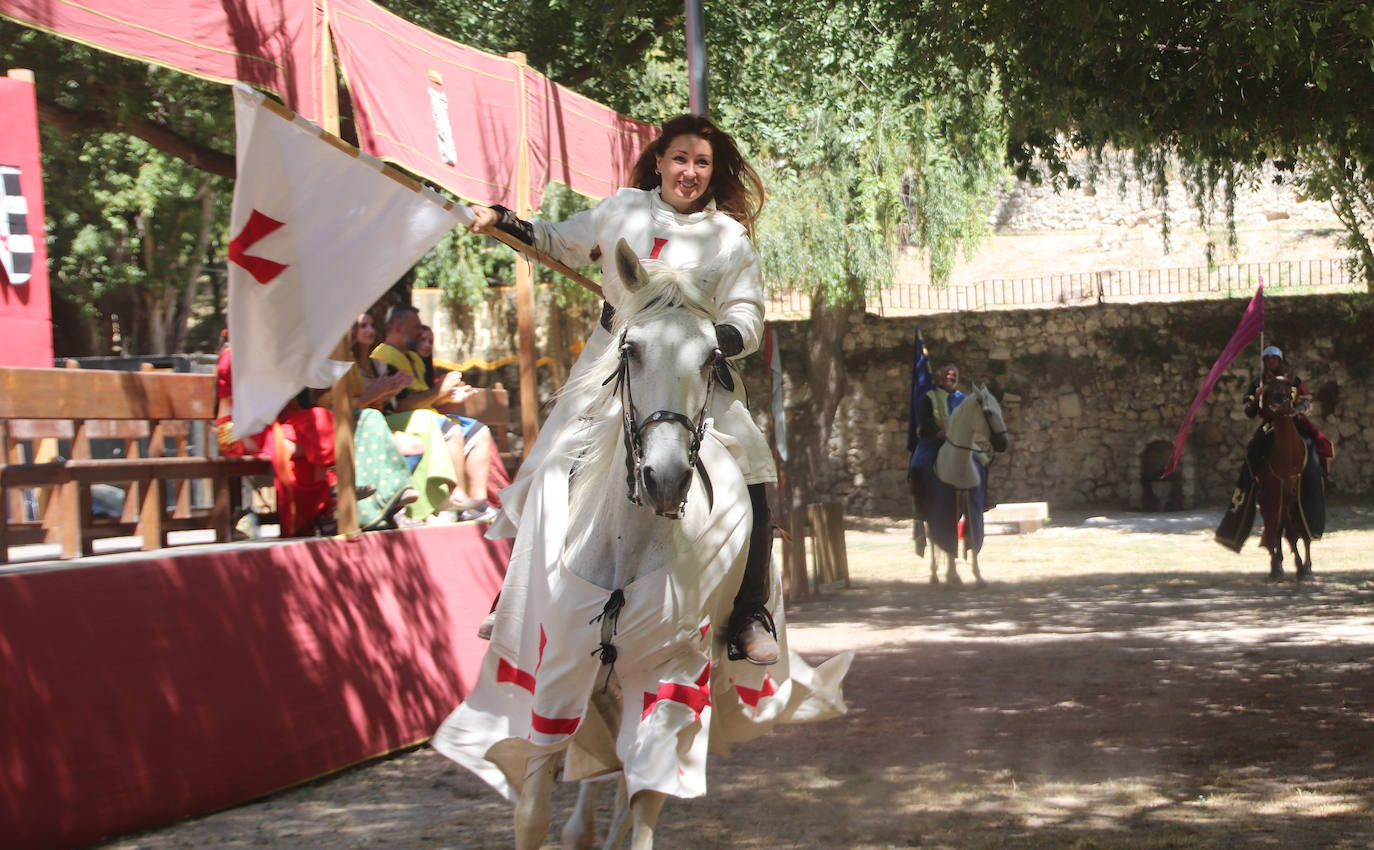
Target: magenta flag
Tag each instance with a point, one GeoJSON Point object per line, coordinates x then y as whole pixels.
{"type": "Point", "coordinates": [1250, 327]}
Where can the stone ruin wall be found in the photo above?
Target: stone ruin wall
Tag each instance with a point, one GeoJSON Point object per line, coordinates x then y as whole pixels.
{"type": "Point", "coordinates": [1111, 196]}
{"type": "Point", "coordinates": [1092, 396]}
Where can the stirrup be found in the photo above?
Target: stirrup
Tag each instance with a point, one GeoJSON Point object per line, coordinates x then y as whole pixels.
{"type": "Point", "coordinates": [737, 625]}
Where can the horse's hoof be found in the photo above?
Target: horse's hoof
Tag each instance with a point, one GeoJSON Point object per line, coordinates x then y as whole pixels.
{"type": "Point", "coordinates": [982, 584]}
{"type": "Point", "coordinates": [1276, 575]}
{"type": "Point", "coordinates": [934, 579]}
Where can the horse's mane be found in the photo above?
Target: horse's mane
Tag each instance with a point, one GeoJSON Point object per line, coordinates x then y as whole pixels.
{"type": "Point", "coordinates": [667, 289]}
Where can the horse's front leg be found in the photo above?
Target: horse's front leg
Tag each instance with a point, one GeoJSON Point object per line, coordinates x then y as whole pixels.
{"type": "Point", "coordinates": [978, 577]}
{"type": "Point", "coordinates": [644, 810]}
{"type": "Point", "coordinates": [934, 557]}
{"type": "Point", "coordinates": [952, 569]}
{"type": "Point", "coordinates": [1305, 560]}
{"type": "Point", "coordinates": [579, 833]}
{"type": "Point", "coordinates": [620, 817]}
{"type": "Point", "coordinates": [1276, 562]}
{"type": "Point", "coordinates": [534, 809]}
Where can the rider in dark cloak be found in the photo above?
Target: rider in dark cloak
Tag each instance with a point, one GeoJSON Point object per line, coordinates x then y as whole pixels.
{"type": "Point", "coordinates": [1239, 518]}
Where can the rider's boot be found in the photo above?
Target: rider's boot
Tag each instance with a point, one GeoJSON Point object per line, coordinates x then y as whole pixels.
{"type": "Point", "coordinates": [488, 624]}
{"type": "Point", "coordinates": [1326, 466]}
{"type": "Point", "coordinates": [750, 634]}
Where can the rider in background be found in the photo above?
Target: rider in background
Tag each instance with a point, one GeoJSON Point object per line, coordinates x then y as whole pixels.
{"type": "Point", "coordinates": [933, 414]}
{"type": "Point", "coordinates": [1274, 367]}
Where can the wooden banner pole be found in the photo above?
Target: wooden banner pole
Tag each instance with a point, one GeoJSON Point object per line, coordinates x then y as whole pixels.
{"type": "Point", "coordinates": [524, 284]}
{"type": "Point", "coordinates": [346, 493]}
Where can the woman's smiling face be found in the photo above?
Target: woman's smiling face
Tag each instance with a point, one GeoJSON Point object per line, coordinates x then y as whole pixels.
{"type": "Point", "coordinates": [685, 168]}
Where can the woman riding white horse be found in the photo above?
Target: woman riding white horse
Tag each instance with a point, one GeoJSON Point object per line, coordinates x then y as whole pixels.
{"type": "Point", "coordinates": [609, 595]}
{"type": "Point", "coordinates": [695, 201]}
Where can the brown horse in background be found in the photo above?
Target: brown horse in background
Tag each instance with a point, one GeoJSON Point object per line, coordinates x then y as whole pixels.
{"type": "Point", "coordinates": [1280, 480]}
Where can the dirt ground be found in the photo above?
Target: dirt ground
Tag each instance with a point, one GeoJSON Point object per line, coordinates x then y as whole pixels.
{"type": "Point", "coordinates": [1123, 682]}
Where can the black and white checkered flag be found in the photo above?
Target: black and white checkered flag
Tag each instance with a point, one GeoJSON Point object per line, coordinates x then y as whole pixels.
{"type": "Point", "coordinates": [16, 243]}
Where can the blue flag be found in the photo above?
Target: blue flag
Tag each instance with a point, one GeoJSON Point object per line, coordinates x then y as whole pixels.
{"type": "Point", "coordinates": [922, 382]}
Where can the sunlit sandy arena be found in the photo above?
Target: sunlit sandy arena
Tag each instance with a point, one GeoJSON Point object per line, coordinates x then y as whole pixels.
{"type": "Point", "coordinates": [1124, 682]}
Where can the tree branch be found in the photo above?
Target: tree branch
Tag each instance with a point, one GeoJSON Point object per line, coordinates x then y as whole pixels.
{"type": "Point", "coordinates": [582, 73]}
{"type": "Point", "coordinates": [192, 153]}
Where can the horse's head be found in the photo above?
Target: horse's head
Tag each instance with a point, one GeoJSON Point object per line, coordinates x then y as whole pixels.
{"type": "Point", "coordinates": [668, 351]}
{"type": "Point", "coordinates": [1278, 395]}
{"type": "Point", "coordinates": [993, 428]}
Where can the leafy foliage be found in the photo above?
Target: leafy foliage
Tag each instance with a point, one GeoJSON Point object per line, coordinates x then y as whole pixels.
{"type": "Point", "coordinates": [831, 103]}
{"type": "Point", "coordinates": [1220, 88]}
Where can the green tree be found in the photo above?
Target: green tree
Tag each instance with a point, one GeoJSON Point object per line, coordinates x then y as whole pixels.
{"type": "Point", "coordinates": [1220, 88]}
{"type": "Point", "coordinates": [863, 139]}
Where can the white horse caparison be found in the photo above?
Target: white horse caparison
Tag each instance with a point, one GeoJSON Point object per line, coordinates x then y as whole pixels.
{"type": "Point", "coordinates": [976, 423]}
{"type": "Point", "coordinates": [663, 380]}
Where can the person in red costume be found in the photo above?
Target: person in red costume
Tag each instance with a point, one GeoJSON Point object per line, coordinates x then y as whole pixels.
{"type": "Point", "coordinates": [301, 444]}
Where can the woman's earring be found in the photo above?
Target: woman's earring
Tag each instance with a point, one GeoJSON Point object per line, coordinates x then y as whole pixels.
{"type": "Point", "coordinates": [656, 171]}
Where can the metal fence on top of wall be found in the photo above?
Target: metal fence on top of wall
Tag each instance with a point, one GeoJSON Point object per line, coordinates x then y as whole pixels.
{"type": "Point", "coordinates": [1124, 285]}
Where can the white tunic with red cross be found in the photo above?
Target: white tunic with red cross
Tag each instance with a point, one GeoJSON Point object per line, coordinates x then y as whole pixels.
{"type": "Point", "coordinates": [681, 696]}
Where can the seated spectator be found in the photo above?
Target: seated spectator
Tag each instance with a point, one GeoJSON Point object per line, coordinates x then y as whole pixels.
{"type": "Point", "coordinates": [485, 473]}
{"type": "Point", "coordinates": [301, 444]}
{"type": "Point", "coordinates": [418, 434]}
{"type": "Point", "coordinates": [393, 356]}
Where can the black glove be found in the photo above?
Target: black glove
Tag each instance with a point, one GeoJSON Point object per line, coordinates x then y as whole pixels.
{"type": "Point", "coordinates": [508, 223]}
{"type": "Point", "coordinates": [729, 340]}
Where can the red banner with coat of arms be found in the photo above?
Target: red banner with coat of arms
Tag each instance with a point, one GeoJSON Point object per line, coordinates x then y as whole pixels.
{"type": "Point", "coordinates": [25, 311]}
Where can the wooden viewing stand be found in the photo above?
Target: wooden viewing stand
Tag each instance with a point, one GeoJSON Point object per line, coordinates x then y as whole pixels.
{"type": "Point", "coordinates": [38, 407]}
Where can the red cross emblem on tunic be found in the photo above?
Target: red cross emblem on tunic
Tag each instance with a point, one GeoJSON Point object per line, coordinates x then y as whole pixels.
{"type": "Point", "coordinates": [751, 696]}
{"type": "Point", "coordinates": [696, 696]}
{"type": "Point", "coordinates": [508, 672]}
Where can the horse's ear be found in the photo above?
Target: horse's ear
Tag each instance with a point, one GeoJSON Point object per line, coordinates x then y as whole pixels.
{"type": "Point", "coordinates": [632, 274]}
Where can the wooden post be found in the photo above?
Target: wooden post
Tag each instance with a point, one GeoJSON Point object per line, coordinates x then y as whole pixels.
{"type": "Point", "coordinates": [524, 285]}
{"type": "Point", "coordinates": [346, 489]}
{"type": "Point", "coordinates": [795, 582]}
{"type": "Point", "coordinates": [832, 563]}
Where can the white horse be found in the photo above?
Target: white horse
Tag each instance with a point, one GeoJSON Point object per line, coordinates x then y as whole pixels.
{"type": "Point", "coordinates": [976, 423]}
{"type": "Point", "coordinates": [609, 596]}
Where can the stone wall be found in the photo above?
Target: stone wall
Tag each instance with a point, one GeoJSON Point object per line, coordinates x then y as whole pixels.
{"type": "Point", "coordinates": [1092, 397]}
{"type": "Point", "coordinates": [1110, 195]}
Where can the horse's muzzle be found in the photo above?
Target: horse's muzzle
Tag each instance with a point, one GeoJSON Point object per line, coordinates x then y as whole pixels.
{"type": "Point", "coordinates": [1000, 441]}
{"type": "Point", "coordinates": [665, 490]}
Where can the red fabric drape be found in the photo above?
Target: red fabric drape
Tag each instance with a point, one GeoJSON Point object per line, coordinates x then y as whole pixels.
{"type": "Point", "coordinates": [452, 113]}
{"type": "Point", "coordinates": [266, 43]}
{"type": "Point", "coordinates": [142, 690]}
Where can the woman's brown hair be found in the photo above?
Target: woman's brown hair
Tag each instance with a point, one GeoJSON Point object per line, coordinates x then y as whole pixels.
{"type": "Point", "coordinates": [735, 186]}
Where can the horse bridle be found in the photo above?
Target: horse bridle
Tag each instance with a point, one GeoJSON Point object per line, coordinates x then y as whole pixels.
{"type": "Point", "coordinates": [633, 430]}
{"type": "Point", "coordinates": [1288, 407]}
